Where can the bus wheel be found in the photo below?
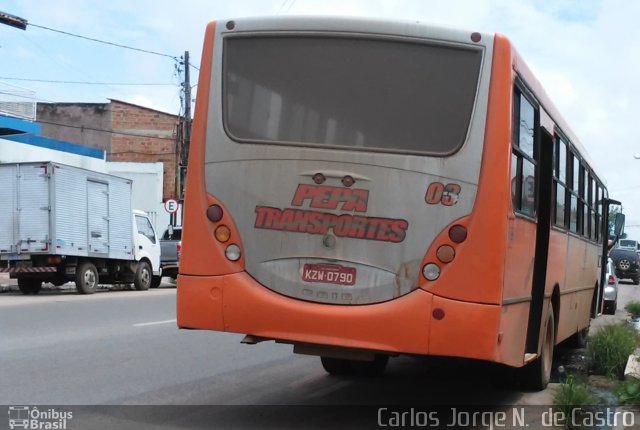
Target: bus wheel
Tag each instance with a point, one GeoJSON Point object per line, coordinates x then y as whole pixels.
{"type": "Point", "coordinates": [371, 368]}
{"type": "Point", "coordinates": [579, 339]}
{"type": "Point", "coordinates": [29, 286]}
{"type": "Point", "coordinates": [86, 278]}
{"type": "Point", "coordinates": [536, 375]}
{"type": "Point", "coordinates": [336, 366]}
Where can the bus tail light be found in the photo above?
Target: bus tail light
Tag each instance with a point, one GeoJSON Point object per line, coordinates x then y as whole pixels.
{"type": "Point", "coordinates": [232, 252]}
{"type": "Point", "coordinates": [431, 271]}
{"type": "Point", "coordinates": [446, 254]}
{"type": "Point", "coordinates": [458, 233]}
{"type": "Point", "coordinates": [214, 213]}
{"type": "Point", "coordinates": [222, 233]}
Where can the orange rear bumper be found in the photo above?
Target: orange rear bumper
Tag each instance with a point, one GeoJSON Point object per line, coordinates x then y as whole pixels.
{"type": "Point", "coordinates": [238, 303]}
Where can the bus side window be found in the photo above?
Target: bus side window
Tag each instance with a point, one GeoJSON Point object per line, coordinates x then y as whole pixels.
{"type": "Point", "coordinates": [523, 164]}
{"type": "Point", "coordinates": [559, 179]}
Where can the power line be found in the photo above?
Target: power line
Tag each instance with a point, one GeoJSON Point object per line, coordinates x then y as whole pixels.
{"type": "Point", "coordinates": [103, 41]}
{"type": "Point", "coordinates": [9, 78]}
{"type": "Point", "coordinates": [32, 98]}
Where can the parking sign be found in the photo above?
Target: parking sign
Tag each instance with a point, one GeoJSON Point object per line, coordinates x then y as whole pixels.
{"type": "Point", "coordinates": [171, 206]}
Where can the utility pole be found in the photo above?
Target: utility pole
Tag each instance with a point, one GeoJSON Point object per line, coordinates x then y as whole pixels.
{"type": "Point", "coordinates": [185, 141]}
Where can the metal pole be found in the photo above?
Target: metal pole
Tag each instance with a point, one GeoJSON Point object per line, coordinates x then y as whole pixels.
{"type": "Point", "coordinates": [186, 128]}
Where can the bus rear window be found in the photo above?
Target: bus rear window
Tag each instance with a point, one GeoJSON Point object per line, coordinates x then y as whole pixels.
{"type": "Point", "coordinates": [352, 92]}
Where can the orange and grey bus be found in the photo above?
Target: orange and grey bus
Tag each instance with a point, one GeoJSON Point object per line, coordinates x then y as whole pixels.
{"type": "Point", "coordinates": [363, 189]}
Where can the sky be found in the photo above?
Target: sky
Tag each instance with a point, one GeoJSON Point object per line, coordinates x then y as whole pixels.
{"type": "Point", "coordinates": [584, 52]}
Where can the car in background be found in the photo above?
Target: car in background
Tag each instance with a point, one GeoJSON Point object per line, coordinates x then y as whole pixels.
{"type": "Point", "coordinates": [610, 290]}
{"type": "Point", "coordinates": [628, 244]}
{"type": "Point", "coordinates": [170, 247]}
{"type": "Point", "coordinates": [626, 263]}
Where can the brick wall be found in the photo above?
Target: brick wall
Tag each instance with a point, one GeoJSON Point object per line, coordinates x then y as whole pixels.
{"type": "Point", "coordinates": [147, 136]}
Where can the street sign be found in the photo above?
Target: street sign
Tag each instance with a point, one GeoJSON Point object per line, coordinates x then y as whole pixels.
{"type": "Point", "coordinates": [171, 206]}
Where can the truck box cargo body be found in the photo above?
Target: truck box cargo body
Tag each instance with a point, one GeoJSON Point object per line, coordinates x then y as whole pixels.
{"type": "Point", "coordinates": [57, 217]}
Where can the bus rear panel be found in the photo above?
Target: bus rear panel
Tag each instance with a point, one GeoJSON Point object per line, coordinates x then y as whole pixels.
{"type": "Point", "coordinates": [349, 189]}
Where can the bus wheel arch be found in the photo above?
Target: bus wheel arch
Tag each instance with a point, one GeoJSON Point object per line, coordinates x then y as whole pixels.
{"type": "Point", "coordinates": [555, 306]}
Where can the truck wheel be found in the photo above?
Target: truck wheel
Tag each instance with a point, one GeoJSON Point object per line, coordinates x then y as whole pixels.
{"type": "Point", "coordinates": [155, 281]}
{"type": "Point", "coordinates": [536, 375]}
{"type": "Point", "coordinates": [86, 278]}
{"type": "Point", "coordinates": [29, 286]}
{"type": "Point", "coordinates": [142, 281]}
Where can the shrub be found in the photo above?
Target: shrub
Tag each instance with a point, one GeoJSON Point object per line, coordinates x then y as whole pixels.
{"type": "Point", "coordinates": [628, 392]}
{"type": "Point", "coordinates": [572, 395]}
{"type": "Point", "coordinates": [610, 348]}
{"type": "Point", "coordinates": [633, 307]}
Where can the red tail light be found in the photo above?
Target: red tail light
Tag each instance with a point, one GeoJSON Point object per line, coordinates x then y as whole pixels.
{"type": "Point", "coordinates": [611, 280]}
{"type": "Point", "coordinates": [179, 250]}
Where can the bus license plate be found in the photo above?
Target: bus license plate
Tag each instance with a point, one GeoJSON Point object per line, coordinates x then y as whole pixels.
{"type": "Point", "coordinates": [329, 273]}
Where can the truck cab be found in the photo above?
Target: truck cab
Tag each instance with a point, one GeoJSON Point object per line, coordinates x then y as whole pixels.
{"type": "Point", "coordinates": [146, 243]}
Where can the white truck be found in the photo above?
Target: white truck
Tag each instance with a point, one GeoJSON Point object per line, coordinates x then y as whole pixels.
{"type": "Point", "coordinates": [62, 223]}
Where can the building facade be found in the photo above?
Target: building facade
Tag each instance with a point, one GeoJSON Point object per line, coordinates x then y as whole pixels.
{"type": "Point", "coordinates": [124, 131]}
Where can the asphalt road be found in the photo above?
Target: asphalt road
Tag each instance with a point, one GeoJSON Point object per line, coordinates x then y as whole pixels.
{"type": "Point", "coordinates": [123, 348]}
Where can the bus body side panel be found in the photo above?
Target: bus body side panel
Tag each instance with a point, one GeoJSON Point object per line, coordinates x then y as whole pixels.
{"type": "Point", "coordinates": [574, 262]}
{"type": "Point", "coordinates": [468, 330]}
{"type": "Point", "coordinates": [519, 259]}
{"type": "Point", "coordinates": [556, 274]}
{"type": "Point", "coordinates": [512, 335]}
{"type": "Point", "coordinates": [576, 294]}
{"type": "Point", "coordinates": [504, 240]}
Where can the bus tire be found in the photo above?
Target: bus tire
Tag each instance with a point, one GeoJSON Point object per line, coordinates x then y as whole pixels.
{"type": "Point", "coordinates": [29, 286]}
{"type": "Point", "coordinates": [336, 366]}
{"type": "Point", "coordinates": [371, 368]}
{"type": "Point", "coordinates": [86, 278]}
{"type": "Point", "coordinates": [142, 280]}
{"type": "Point", "coordinates": [579, 340]}
{"type": "Point", "coordinates": [535, 376]}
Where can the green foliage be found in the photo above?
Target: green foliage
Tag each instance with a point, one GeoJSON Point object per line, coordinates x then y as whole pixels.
{"type": "Point", "coordinates": [610, 348]}
{"type": "Point", "coordinates": [633, 307]}
{"type": "Point", "coordinates": [628, 392]}
{"type": "Point", "coordinates": [571, 395]}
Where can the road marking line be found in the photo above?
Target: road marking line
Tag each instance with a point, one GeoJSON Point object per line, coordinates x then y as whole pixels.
{"type": "Point", "coordinates": [154, 323]}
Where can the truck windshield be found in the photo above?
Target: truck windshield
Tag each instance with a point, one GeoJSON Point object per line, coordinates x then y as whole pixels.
{"type": "Point", "coordinates": [350, 92]}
